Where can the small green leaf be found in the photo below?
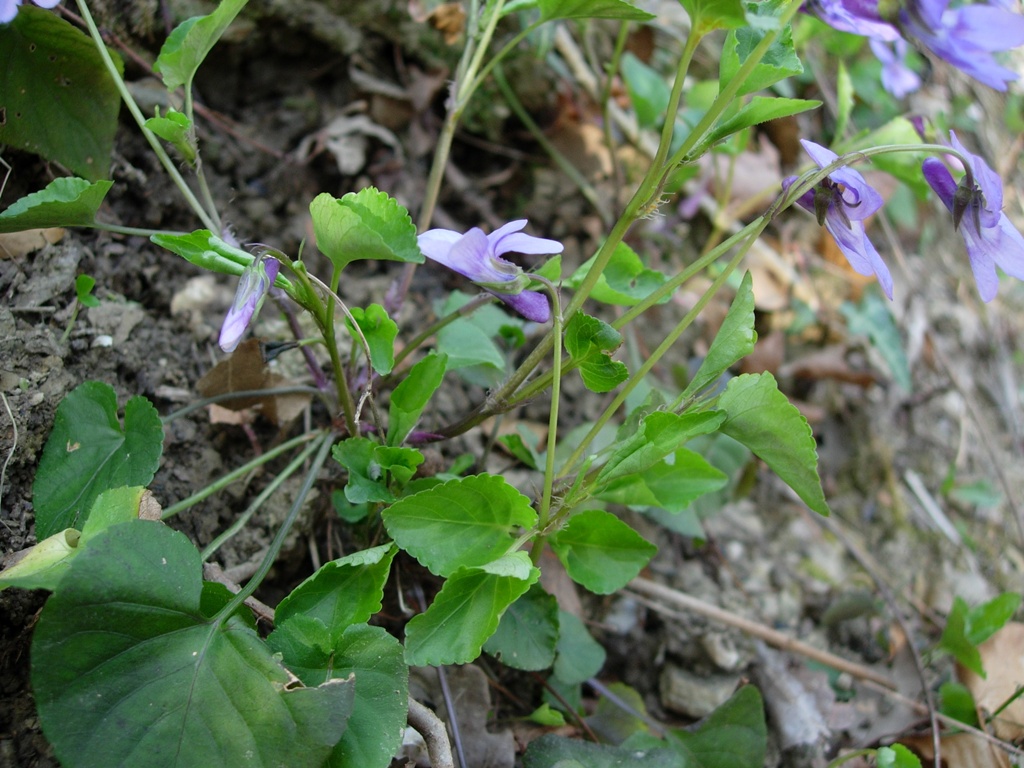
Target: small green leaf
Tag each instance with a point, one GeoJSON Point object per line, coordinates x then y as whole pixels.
{"type": "Point", "coordinates": [986, 619]}
{"type": "Point", "coordinates": [175, 128]}
{"type": "Point", "coordinates": [342, 592]}
{"type": "Point", "coordinates": [375, 472]}
{"type": "Point", "coordinates": [954, 638]}
{"type": "Point", "coordinates": [380, 332]}
{"type": "Point", "coordinates": [469, 341]}
{"type": "Point", "coordinates": [589, 341]}
{"type": "Point", "coordinates": [547, 716]}
{"type": "Point", "coordinates": [647, 89]}
{"type": "Point", "coordinates": [760, 109]}
{"type": "Point", "coordinates": [600, 551]}
{"type": "Point", "coordinates": [411, 396]}
{"type": "Point", "coordinates": [44, 565]}
{"type": "Point", "coordinates": [624, 282]}
{"type": "Point", "coordinates": [465, 522]}
{"type": "Point", "coordinates": [368, 224]}
{"type": "Point", "coordinates": [191, 41]}
{"type": "Point", "coordinates": [523, 445]}
{"type": "Point", "coordinates": [551, 751]}
{"type": "Point", "coordinates": [760, 417]}
{"type": "Point", "coordinates": [83, 290]}
{"type": "Point", "coordinates": [57, 98]}
{"type": "Point", "coordinates": [126, 668]}
{"type": "Point", "coordinates": [88, 453]}
{"type": "Point", "coordinates": [873, 318]}
{"type": "Point", "coordinates": [956, 701]}
{"type": "Point", "coordinates": [463, 615]}
{"type": "Point", "coordinates": [779, 62]}
{"type": "Point", "coordinates": [659, 434]}
{"type": "Point", "coordinates": [376, 661]}
{"type": "Point", "coordinates": [578, 655]}
{"type": "Point", "coordinates": [734, 340]}
{"type": "Point", "coordinates": [527, 632]}
{"type": "Point", "coordinates": [206, 250]}
{"type": "Point", "coordinates": [733, 736]}
{"type": "Point", "coordinates": [671, 484]}
{"type": "Point", "coordinates": [709, 15]}
{"type": "Point", "coordinates": [551, 10]}
{"type": "Point", "coordinates": [896, 756]}
{"type": "Point", "coordinates": [65, 202]}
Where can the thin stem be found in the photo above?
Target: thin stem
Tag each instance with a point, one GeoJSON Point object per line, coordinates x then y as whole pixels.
{"type": "Point", "coordinates": [549, 465]}
{"type": "Point", "coordinates": [330, 336]}
{"type": "Point", "coordinates": [325, 440]}
{"type": "Point", "coordinates": [136, 113]}
{"type": "Point", "coordinates": [232, 476]}
{"type": "Point", "coordinates": [258, 502]}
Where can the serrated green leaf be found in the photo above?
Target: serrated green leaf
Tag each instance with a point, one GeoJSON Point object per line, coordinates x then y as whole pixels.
{"type": "Point", "coordinates": [779, 62]}
{"type": "Point", "coordinates": [708, 15]}
{"type": "Point", "coordinates": [671, 484]}
{"type": "Point", "coordinates": [376, 661]}
{"type": "Point", "coordinates": [341, 593]}
{"type": "Point", "coordinates": [591, 9]}
{"type": "Point", "coordinates": [65, 202]}
{"type": "Point", "coordinates": [589, 341]}
{"type": "Point", "coordinates": [175, 128]}
{"type": "Point", "coordinates": [734, 340]}
{"type": "Point", "coordinates": [373, 469]}
{"type": "Point", "coordinates": [380, 332]}
{"type": "Point", "coordinates": [624, 282]}
{"type": "Point", "coordinates": [466, 522]}
{"type": "Point", "coordinates": [760, 109]}
{"type": "Point", "coordinates": [191, 41]}
{"type": "Point", "coordinates": [463, 615]}
{"type": "Point", "coordinates": [578, 655]}
{"type": "Point", "coordinates": [760, 417]}
{"type": "Point", "coordinates": [56, 97]}
{"type": "Point", "coordinates": [368, 224]}
{"type": "Point", "coordinates": [127, 670]}
{"type": "Point", "coordinates": [411, 396]}
{"type": "Point", "coordinates": [600, 551]}
{"type": "Point", "coordinates": [528, 632]}
{"type": "Point", "coordinates": [733, 736]}
{"type": "Point", "coordinates": [88, 453]}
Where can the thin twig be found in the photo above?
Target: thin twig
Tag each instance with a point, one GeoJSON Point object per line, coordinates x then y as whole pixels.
{"type": "Point", "coordinates": [14, 445]}
{"type": "Point", "coordinates": [430, 727]}
{"type": "Point", "coordinates": [668, 596]}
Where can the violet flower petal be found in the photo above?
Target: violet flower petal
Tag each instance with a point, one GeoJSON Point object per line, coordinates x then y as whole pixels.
{"type": "Point", "coordinates": [859, 17]}
{"type": "Point", "coordinates": [252, 289]}
{"type": "Point", "coordinates": [897, 78]}
{"type": "Point", "coordinates": [859, 250]}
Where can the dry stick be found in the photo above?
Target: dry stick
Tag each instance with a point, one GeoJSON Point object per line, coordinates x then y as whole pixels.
{"type": "Point", "coordinates": [430, 727]}
{"type": "Point", "coordinates": [772, 637]}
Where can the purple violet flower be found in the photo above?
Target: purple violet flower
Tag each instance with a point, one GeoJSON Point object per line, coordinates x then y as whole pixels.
{"type": "Point", "coordinates": [252, 290]}
{"type": "Point", "coordinates": [897, 78]}
{"type": "Point", "coordinates": [966, 36]}
{"type": "Point", "coordinates": [478, 257]}
{"type": "Point", "coordinates": [9, 8]}
{"type": "Point", "coordinates": [859, 17]}
{"type": "Point", "coordinates": [976, 206]}
{"type": "Point", "coordinates": [841, 203]}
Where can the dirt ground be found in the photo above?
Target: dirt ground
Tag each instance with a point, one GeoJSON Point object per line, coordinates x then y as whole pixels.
{"type": "Point", "coordinates": [925, 483]}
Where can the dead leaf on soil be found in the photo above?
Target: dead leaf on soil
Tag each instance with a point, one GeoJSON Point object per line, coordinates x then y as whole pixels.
{"type": "Point", "coordinates": [962, 750]}
{"type": "Point", "coordinates": [246, 369]}
{"type": "Point", "coordinates": [828, 363]}
{"type": "Point", "coordinates": [1002, 657]}
{"type": "Point", "coordinates": [14, 245]}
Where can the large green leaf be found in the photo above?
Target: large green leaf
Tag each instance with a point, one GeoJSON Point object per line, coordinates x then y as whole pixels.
{"type": "Point", "coordinates": [760, 417]}
{"type": "Point", "coordinates": [411, 396]}
{"type": "Point", "coordinates": [600, 551]}
{"type": "Point", "coordinates": [734, 340]}
{"type": "Point", "coordinates": [591, 9]}
{"type": "Point", "coordinates": [376, 660]}
{"type": "Point", "coordinates": [465, 613]}
{"type": "Point", "coordinates": [733, 736]}
{"type": "Point", "coordinates": [528, 632]}
{"type": "Point", "coordinates": [589, 342]}
{"type": "Point", "coordinates": [368, 224]}
{"type": "Point", "coordinates": [465, 522]}
{"type": "Point", "coordinates": [88, 453]}
{"type": "Point", "coordinates": [191, 41]}
{"type": "Point", "coordinates": [342, 592]}
{"type": "Point", "coordinates": [56, 97]}
{"type": "Point", "coordinates": [65, 202]}
{"type": "Point", "coordinates": [127, 670]}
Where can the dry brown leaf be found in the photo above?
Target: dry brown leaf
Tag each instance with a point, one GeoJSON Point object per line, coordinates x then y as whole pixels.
{"type": "Point", "coordinates": [1002, 657]}
{"type": "Point", "coordinates": [960, 750]}
{"type": "Point", "coordinates": [450, 20]}
{"type": "Point", "coordinates": [828, 363]}
{"type": "Point", "coordinates": [14, 245]}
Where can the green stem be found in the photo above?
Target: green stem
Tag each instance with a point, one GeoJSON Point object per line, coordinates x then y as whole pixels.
{"type": "Point", "coordinates": [331, 337]}
{"type": "Point", "coordinates": [325, 441]}
{"type": "Point", "coordinates": [549, 467]}
{"type": "Point", "coordinates": [232, 476]}
{"type": "Point", "coordinates": [136, 113]}
{"type": "Point", "coordinates": [258, 502]}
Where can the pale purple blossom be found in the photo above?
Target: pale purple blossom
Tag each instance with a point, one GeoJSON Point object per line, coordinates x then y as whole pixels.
{"type": "Point", "coordinates": [897, 78]}
{"type": "Point", "coordinates": [966, 36]}
{"type": "Point", "coordinates": [841, 203]}
{"type": "Point", "coordinates": [976, 204]}
{"type": "Point", "coordinates": [252, 290]}
{"type": "Point", "coordinates": [858, 17]}
{"type": "Point", "coordinates": [9, 8]}
{"type": "Point", "coordinates": [478, 257]}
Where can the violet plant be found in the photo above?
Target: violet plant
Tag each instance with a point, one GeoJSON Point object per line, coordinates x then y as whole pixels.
{"type": "Point", "coordinates": [137, 660]}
